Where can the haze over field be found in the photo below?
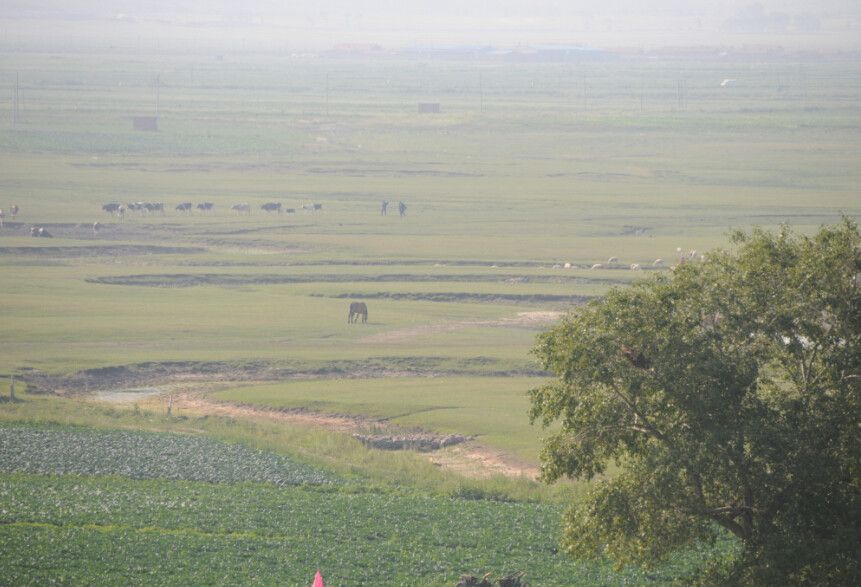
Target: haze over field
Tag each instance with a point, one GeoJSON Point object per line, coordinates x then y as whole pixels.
{"type": "Point", "coordinates": [832, 25]}
{"type": "Point", "coordinates": [339, 252]}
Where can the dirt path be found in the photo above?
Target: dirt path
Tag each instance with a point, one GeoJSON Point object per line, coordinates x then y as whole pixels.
{"type": "Point", "coordinates": [522, 320]}
{"type": "Point", "coordinates": [469, 459]}
{"type": "Point", "coordinates": [196, 402]}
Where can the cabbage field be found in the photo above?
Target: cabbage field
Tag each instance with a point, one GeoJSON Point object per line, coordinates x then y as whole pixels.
{"type": "Point", "coordinates": [141, 455]}
{"type": "Point", "coordinates": [126, 521]}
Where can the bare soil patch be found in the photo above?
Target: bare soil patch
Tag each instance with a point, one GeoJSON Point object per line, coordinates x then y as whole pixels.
{"type": "Point", "coordinates": [123, 396]}
{"type": "Point", "coordinates": [471, 460]}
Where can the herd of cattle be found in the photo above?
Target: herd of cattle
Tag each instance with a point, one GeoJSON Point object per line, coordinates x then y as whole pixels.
{"type": "Point", "coordinates": [143, 208]}
{"type": "Point", "coordinates": [35, 231]}
{"type": "Point", "coordinates": [116, 209]}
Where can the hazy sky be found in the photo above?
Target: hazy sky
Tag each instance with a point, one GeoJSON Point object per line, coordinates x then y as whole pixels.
{"type": "Point", "coordinates": [323, 23]}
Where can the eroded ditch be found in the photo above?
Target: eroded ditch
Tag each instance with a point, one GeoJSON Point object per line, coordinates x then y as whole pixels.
{"type": "Point", "coordinates": [186, 386]}
{"type": "Point", "coordinates": [156, 374]}
{"type": "Point", "coordinates": [228, 279]}
{"type": "Point", "coordinates": [98, 251]}
{"type": "Point", "coordinates": [468, 297]}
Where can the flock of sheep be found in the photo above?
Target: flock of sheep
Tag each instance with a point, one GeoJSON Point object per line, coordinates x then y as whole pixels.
{"type": "Point", "coordinates": [613, 262]}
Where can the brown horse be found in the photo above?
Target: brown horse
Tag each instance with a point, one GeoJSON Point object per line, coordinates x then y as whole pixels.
{"type": "Point", "coordinates": [357, 309]}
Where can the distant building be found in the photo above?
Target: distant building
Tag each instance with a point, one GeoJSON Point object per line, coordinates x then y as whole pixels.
{"type": "Point", "coordinates": [429, 108]}
{"type": "Point", "coordinates": [145, 123]}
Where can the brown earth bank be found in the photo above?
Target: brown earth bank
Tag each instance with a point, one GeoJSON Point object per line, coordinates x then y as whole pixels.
{"type": "Point", "coordinates": [456, 453]}
{"type": "Point", "coordinates": [184, 386]}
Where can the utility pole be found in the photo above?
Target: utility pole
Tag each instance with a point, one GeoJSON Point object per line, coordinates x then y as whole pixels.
{"type": "Point", "coordinates": [327, 95]}
{"type": "Point", "coordinates": [481, 91]}
{"type": "Point", "coordinates": [681, 91]}
{"type": "Point", "coordinates": [585, 94]}
{"type": "Point", "coordinates": [16, 97]}
{"type": "Point", "coordinates": [157, 92]}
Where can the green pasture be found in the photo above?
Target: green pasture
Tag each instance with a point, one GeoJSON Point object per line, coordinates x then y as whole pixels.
{"type": "Point", "coordinates": [492, 409]}
{"type": "Point", "coordinates": [571, 162]}
{"type": "Point", "coordinates": [56, 321]}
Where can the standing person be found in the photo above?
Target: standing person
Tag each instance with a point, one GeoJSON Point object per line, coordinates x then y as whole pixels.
{"type": "Point", "coordinates": [402, 209]}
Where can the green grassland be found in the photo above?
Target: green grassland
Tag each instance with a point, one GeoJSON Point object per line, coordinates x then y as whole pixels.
{"type": "Point", "coordinates": [491, 408]}
{"type": "Point", "coordinates": [529, 166]}
{"type": "Point", "coordinates": [544, 164]}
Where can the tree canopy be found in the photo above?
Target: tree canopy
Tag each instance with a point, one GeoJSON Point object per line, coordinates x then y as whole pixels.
{"type": "Point", "coordinates": [723, 397]}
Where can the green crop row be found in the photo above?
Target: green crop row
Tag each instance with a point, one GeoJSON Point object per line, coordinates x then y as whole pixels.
{"type": "Point", "coordinates": [74, 530]}
{"type": "Point", "coordinates": [143, 455]}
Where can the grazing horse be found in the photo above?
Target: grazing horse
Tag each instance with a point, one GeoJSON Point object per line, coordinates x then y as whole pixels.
{"type": "Point", "coordinates": [206, 206]}
{"type": "Point", "coordinates": [357, 309]}
{"type": "Point", "coordinates": [271, 207]}
{"type": "Point", "coordinates": [402, 209]}
{"type": "Point", "coordinates": [243, 208]}
{"type": "Point", "coordinates": [184, 207]}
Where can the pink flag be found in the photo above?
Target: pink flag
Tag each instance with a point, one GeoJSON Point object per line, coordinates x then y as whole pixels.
{"type": "Point", "coordinates": [318, 580]}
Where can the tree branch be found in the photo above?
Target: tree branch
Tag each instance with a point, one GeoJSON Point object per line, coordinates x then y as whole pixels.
{"type": "Point", "coordinates": [730, 525]}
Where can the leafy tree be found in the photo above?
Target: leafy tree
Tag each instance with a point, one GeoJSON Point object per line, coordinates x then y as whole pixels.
{"type": "Point", "coordinates": [726, 396]}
